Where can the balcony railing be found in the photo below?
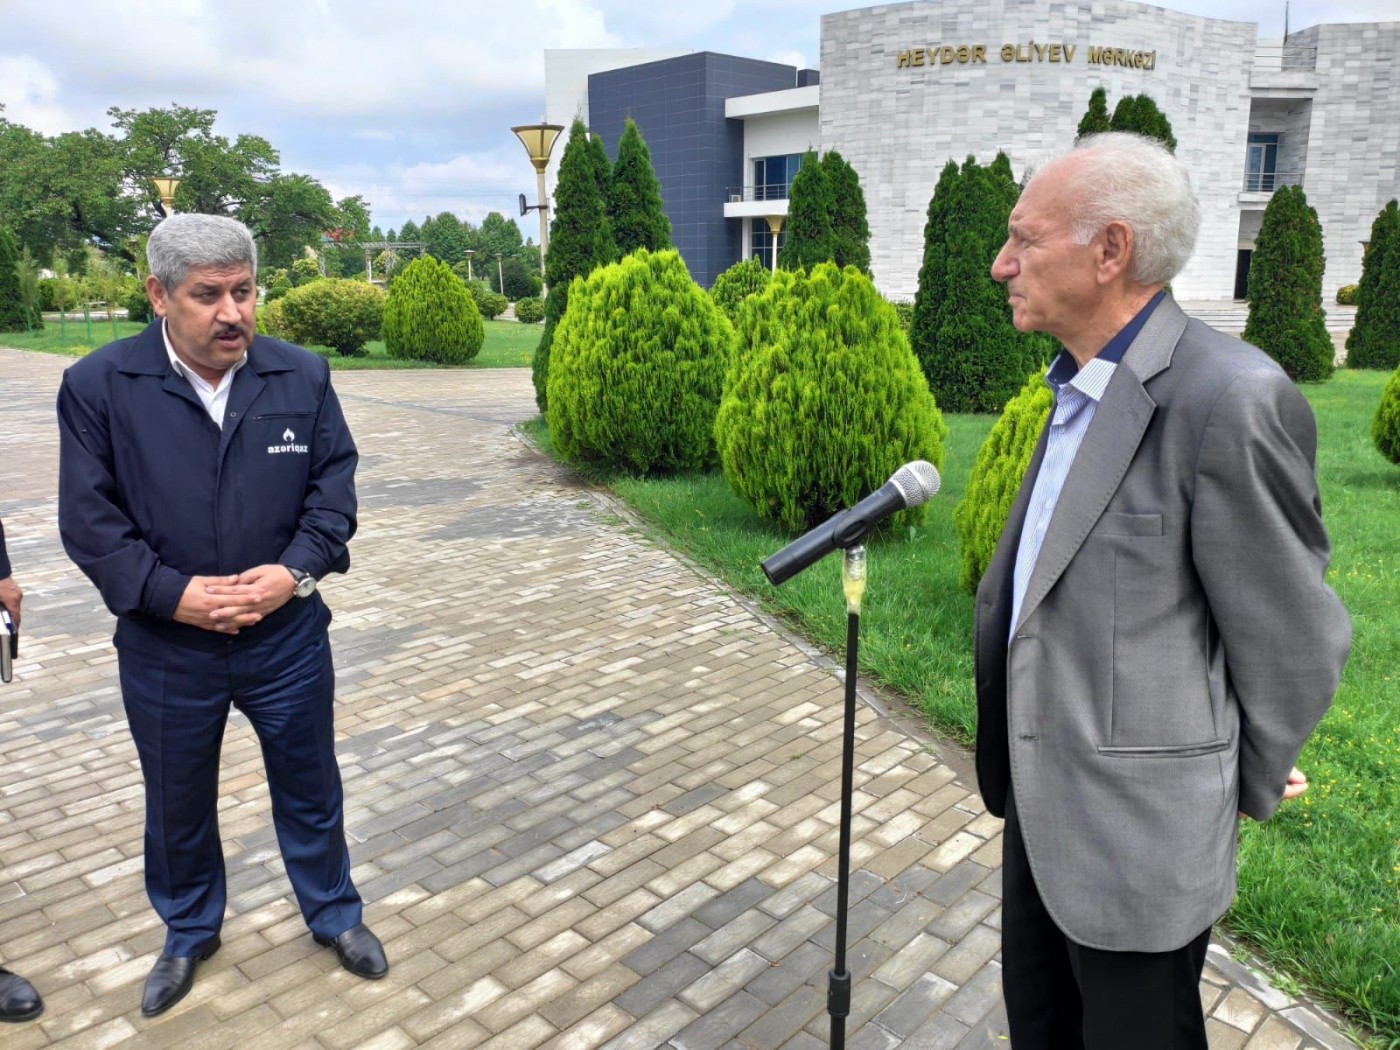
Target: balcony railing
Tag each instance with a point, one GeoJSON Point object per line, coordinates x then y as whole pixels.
{"type": "Point", "coordinates": [1268, 181]}
{"type": "Point", "coordinates": [764, 191]}
{"type": "Point", "coordinates": [1292, 57]}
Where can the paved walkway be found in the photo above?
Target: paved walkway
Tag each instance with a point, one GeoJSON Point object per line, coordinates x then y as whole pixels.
{"type": "Point", "coordinates": [592, 795]}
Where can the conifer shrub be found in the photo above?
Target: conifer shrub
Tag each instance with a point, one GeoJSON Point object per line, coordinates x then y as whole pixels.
{"type": "Point", "coordinates": [635, 209]}
{"type": "Point", "coordinates": [1385, 428]}
{"type": "Point", "coordinates": [430, 315]}
{"type": "Point", "coordinates": [1374, 340]}
{"type": "Point", "coordinates": [824, 400]}
{"type": "Point", "coordinates": [1346, 295]}
{"type": "Point", "coordinates": [996, 477]}
{"type": "Point", "coordinates": [341, 314]}
{"type": "Point", "coordinates": [743, 279]}
{"type": "Point", "coordinates": [811, 237]}
{"type": "Point", "coordinates": [12, 313]}
{"type": "Point", "coordinates": [529, 310]}
{"type": "Point", "coordinates": [637, 366]}
{"type": "Point", "coordinates": [1285, 289]}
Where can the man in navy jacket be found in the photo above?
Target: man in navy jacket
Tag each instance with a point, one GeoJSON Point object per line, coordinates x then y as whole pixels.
{"type": "Point", "coordinates": [18, 999]}
{"type": "Point", "coordinates": [206, 483]}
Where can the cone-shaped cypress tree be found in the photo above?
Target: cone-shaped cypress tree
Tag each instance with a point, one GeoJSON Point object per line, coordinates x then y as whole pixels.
{"type": "Point", "coordinates": [1140, 115]}
{"type": "Point", "coordinates": [850, 229]}
{"type": "Point", "coordinates": [11, 303]}
{"type": "Point", "coordinates": [1374, 341]}
{"type": "Point", "coordinates": [809, 230]}
{"type": "Point", "coordinates": [579, 240]}
{"type": "Point", "coordinates": [1095, 118]}
{"type": "Point", "coordinates": [1385, 427]}
{"type": "Point", "coordinates": [1285, 288]}
{"type": "Point", "coordinates": [933, 272]}
{"type": "Point", "coordinates": [634, 204]}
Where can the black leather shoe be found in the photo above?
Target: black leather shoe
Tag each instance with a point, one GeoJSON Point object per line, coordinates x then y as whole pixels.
{"type": "Point", "coordinates": [18, 999]}
{"type": "Point", "coordinates": [171, 979]}
{"type": "Point", "coordinates": [359, 950]}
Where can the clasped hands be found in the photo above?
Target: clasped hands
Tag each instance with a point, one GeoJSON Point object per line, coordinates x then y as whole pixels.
{"type": "Point", "coordinates": [227, 604]}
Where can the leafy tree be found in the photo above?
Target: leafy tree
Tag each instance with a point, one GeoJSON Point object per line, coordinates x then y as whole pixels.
{"type": "Point", "coordinates": [736, 284]}
{"type": "Point", "coordinates": [1095, 118]}
{"type": "Point", "coordinates": [410, 232]}
{"type": "Point", "coordinates": [634, 203]}
{"type": "Point", "coordinates": [962, 333]}
{"type": "Point", "coordinates": [498, 234]}
{"type": "Point", "coordinates": [810, 234]}
{"type": "Point", "coordinates": [290, 214]}
{"type": "Point", "coordinates": [638, 366]}
{"type": "Point", "coordinates": [344, 315]}
{"type": "Point", "coordinates": [27, 281]}
{"type": "Point", "coordinates": [1374, 341]}
{"type": "Point", "coordinates": [12, 313]}
{"type": "Point", "coordinates": [579, 241]}
{"type": "Point", "coordinates": [1385, 427]}
{"type": "Point", "coordinates": [824, 399]}
{"type": "Point", "coordinates": [430, 315]}
{"type": "Point", "coordinates": [1001, 464]}
{"type": "Point", "coordinates": [1285, 288]}
{"type": "Point", "coordinates": [520, 281]}
{"type": "Point", "coordinates": [850, 230]}
{"type": "Point", "coordinates": [447, 237]}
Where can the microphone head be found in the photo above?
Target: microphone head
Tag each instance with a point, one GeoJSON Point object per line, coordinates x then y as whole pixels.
{"type": "Point", "coordinates": [918, 482]}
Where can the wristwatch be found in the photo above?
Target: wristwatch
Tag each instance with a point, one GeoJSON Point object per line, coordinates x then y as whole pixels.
{"type": "Point", "coordinates": [305, 582]}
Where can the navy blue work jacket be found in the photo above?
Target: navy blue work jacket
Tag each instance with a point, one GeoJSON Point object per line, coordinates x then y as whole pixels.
{"type": "Point", "coordinates": [152, 492]}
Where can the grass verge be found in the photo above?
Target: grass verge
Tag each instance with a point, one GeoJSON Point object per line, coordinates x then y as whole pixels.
{"type": "Point", "coordinates": [508, 344]}
{"type": "Point", "coordinates": [1320, 883]}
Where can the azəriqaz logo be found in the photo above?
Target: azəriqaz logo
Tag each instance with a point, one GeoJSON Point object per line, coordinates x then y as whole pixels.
{"type": "Point", "coordinates": [289, 444]}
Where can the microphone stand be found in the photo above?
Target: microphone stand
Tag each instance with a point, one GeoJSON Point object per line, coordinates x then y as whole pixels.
{"type": "Point", "coordinates": [838, 990]}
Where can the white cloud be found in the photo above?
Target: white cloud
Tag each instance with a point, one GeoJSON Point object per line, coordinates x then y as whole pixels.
{"type": "Point", "coordinates": [29, 91]}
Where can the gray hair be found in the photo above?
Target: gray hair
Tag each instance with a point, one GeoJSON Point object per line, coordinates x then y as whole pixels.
{"type": "Point", "coordinates": [1136, 180]}
{"type": "Point", "coordinates": [182, 242]}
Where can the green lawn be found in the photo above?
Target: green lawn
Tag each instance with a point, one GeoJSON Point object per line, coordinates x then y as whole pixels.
{"type": "Point", "coordinates": [508, 344]}
{"type": "Point", "coordinates": [1319, 884]}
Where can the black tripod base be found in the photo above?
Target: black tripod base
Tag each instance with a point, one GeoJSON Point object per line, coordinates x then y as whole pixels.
{"type": "Point", "coordinates": [838, 1005]}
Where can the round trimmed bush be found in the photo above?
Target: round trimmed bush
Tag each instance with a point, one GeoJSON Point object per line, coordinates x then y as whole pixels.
{"type": "Point", "coordinates": [489, 304]}
{"type": "Point", "coordinates": [430, 315]}
{"type": "Point", "coordinates": [1385, 428]}
{"type": "Point", "coordinates": [737, 283]}
{"type": "Point", "coordinates": [271, 320]}
{"type": "Point", "coordinates": [996, 477]}
{"type": "Point", "coordinates": [824, 401]}
{"type": "Point", "coordinates": [1346, 295]}
{"type": "Point", "coordinates": [637, 367]}
{"type": "Point", "coordinates": [529, 310]}
{"type": "Point", "coordinates": [335, 312]}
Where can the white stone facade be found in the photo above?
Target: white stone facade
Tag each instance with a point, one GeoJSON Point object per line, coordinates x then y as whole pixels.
{"type": "Point", "coordinates": [898, 124]}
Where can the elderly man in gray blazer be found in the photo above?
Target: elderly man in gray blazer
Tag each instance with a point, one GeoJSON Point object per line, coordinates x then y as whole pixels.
{"type": "Point", "coordinates": [1155, 640]}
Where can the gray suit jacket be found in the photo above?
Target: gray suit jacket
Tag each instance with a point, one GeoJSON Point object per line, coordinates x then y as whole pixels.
{"type": "Point", "coordinates": [1176, 646]}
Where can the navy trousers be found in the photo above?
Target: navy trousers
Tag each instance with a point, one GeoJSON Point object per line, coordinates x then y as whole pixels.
{"type": "Point", "coordinates": [177, 703]}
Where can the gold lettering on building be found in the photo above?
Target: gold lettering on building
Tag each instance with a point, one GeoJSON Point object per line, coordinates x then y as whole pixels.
{"type": "Point", "coordinates": [1024, 52]}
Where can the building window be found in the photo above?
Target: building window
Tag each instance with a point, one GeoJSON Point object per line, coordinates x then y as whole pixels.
{"type": "Point", "coordinates": [761, 241]}
{"type": "Point", "coordinates": [772, 176]}
{"type": "Point", "coordinates": [1261, 165]}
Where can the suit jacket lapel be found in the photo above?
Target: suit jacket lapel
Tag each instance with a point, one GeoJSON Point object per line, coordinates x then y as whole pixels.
{"type": "Point", "coordinates": [1110, 443]}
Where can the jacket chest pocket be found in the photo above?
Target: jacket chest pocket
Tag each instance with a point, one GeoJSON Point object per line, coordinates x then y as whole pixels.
{"type": "Point", "coordinates": [282, 433]}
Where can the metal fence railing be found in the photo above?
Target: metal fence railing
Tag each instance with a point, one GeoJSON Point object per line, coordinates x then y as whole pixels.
{"type": "Point", "coordinates": [1268, 181]}
{"type": "Point", "coordinates": [764, 191]}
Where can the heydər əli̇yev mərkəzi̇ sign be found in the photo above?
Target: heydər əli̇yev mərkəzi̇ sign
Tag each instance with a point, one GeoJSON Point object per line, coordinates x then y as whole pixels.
{"type": "Point", "coordinates": [976, 54]}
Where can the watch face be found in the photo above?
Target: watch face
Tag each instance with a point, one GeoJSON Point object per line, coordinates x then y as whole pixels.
{"type": "Point", "coordinates": [306, 586]}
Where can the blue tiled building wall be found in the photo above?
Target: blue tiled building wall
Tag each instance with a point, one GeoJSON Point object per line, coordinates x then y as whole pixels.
{"type": "Point", "coordinates": [678, 103]}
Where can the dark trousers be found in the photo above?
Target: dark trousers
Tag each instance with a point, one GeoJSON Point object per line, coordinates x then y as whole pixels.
{"type": "Point", "coordinates": [1062, 995]}
{"type": "Point", "coordinates": [177, 702]}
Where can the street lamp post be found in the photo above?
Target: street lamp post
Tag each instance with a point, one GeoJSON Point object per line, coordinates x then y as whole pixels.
{"type": "Point", "coordinates": [538, 140]}
{"type": "Point", "coordinates": [775, 227]}
{"type": "Point", "coordinates": [500, 274]}
{"type": "Point", "coordinates": [166, 185]}
{"type": "Point", "coordinates": [470, 253]}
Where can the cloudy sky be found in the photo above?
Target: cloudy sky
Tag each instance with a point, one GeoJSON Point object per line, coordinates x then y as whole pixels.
{"type": "Point", "coordinates": [410, 103]}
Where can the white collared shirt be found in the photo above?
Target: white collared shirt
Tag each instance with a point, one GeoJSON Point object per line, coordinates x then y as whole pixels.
{"type": "Point", "coordinates": [214, 398]}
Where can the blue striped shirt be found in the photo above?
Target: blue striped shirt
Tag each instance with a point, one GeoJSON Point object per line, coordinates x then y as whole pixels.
{"type": "Point", "coordinates": [1077, 395]}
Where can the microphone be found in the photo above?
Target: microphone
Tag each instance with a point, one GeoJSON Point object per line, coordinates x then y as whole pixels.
{"type": "Point", "coordinates": [911, 486]}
